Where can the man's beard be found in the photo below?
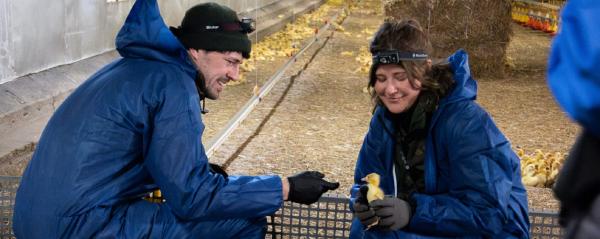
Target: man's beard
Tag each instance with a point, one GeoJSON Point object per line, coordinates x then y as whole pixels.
{"type": "Point", "coordinates": [201, 87]}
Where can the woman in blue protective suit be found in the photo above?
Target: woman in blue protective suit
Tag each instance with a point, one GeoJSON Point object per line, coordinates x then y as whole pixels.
{"type": "Point", "coordinates": [135, 126]}
{"type": "Point", "coordinates": [446, 169]}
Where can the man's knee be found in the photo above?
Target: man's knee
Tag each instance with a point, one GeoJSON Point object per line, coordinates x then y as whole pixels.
{"type": "Point", "coordinates": [256, 228]}
{"type": "Point", "coordinates": [158, 221]}
{"type": "Point", "coordinates": [232, 228]}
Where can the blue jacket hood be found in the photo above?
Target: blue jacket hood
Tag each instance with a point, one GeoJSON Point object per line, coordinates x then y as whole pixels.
{"type": "Point", "coordinates": [145, 35]}
{"type": "Point", "coordinates": [465, 87]}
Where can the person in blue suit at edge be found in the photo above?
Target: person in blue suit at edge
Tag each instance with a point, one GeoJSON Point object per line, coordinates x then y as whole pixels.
{"type": "Point", "coordinates": [135, 126]}
{"type": "Point", "coordinates": [446, 169]}
{"type": "Point", "coordinates": [574, 80]}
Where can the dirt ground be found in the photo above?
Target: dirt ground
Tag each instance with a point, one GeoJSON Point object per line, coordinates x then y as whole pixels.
{"type": "Point", "coordinates": [315, 119]}
{"type": "Point", "coordinates": [521, 103]}
{"type": "Point", "coordinates": [321, 119]}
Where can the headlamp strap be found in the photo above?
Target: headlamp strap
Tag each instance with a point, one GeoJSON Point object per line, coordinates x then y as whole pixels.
{"type": "Point", "coordinates": [395, 57]}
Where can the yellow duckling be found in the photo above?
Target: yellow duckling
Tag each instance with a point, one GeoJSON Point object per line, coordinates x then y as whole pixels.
{"type": "Point", "coordinates": [520, 152]}
{"type": "Point", "coordinates": [374, 192]}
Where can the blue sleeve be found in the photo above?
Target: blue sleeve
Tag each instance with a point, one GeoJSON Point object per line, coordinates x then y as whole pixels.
{"type": "Point", "coordinates": [573, 73]}
{"type": "Point", "coordinates": [479, 177]}
{"type": "Point", "coordinates": [178, 164]}
{"type": "Point", "coordinates": [374, 157]}
{"type": "Point", "coordinates": [366, 163]}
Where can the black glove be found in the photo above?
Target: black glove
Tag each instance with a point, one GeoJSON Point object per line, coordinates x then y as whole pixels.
{"type": "Point", "coordinates": [217, 169]}
{"type": "Point", "coordinates": [308, 186]}
{"type": "Point", "coordinates": [362, 211]}
{"type": "Point", "coordinates": [393, 213]}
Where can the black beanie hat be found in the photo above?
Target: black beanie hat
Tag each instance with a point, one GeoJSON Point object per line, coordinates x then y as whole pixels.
{"type": "Point", "coordinates": [202, 27]}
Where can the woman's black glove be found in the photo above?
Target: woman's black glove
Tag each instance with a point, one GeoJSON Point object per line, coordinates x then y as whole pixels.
{"type": "Point", "coordinates": [308, 186]}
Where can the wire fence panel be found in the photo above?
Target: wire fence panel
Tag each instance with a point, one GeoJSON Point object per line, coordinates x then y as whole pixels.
{"type": "Point", "coordinates": [544, 225]}
{"type": "Point", "coordinates": [8, 189]}
{"type": "Point", "coordinates": [330, 217]}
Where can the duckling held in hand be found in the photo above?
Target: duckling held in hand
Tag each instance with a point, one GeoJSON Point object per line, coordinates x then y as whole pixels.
{"type": "Point", "coordinates": [374, 192]}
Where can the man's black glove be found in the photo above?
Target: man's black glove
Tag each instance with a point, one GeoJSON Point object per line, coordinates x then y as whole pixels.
{"type": "Point", "coordinates": [217, 169]}
{"type": "Point", "coordinates": [362, 211]}
{"type": "Point", "coordinates": [308, 186]}
{"type": "Point", "coordinates": [393, 213]}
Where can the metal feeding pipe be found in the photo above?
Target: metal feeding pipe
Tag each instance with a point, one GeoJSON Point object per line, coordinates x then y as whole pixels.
{"type": "Point", "coordinates": [218, 139]}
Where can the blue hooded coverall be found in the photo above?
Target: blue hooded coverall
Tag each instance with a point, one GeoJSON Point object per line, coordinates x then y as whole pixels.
{"type": "Point", "coordinates": [573, 73]}
{"type": "Point", "coordinates": [574, 79]}
{"type": "Point", "coordinates": [132, 127]}
{"type": "Point", "coordinates": [473, 183]}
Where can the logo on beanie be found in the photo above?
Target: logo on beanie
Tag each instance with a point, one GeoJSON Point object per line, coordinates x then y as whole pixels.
{"type": "Point", "coordinates": [212, 27]}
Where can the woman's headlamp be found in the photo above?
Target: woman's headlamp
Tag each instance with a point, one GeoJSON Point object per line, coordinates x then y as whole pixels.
{"type": "Point", "coordinates": [395, 57]}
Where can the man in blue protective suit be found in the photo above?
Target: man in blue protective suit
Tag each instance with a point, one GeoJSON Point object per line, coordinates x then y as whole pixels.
{"type": "Point", "coordinates": [135, 126]}
{"type": "Point", "coordinates": [574, 79]}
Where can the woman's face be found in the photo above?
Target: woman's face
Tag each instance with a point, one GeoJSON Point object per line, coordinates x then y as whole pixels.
{"type": "Point", "coordinates": [394, 89]}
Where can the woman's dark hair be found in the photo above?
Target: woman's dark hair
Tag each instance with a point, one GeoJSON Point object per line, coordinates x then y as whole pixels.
{"type": "Point", "coordinates": [408, 36]}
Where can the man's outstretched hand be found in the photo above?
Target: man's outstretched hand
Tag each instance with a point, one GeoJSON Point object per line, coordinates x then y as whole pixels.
{"type": "Point", "coordinates": [308, 186]}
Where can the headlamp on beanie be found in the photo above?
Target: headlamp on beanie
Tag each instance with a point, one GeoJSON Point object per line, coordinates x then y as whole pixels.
{"type": "Point", "coordinates": [248, 25]}
{"type": "Point", "coordinates": [395, 57]}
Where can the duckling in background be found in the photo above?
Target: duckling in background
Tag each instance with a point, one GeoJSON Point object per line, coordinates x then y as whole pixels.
{"type": "Point", "coordinates": [374, 192]}
{"type": "Point", "coordinates": [531, 177]}
{"type": "Point", "coordinates": [520, 153]}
